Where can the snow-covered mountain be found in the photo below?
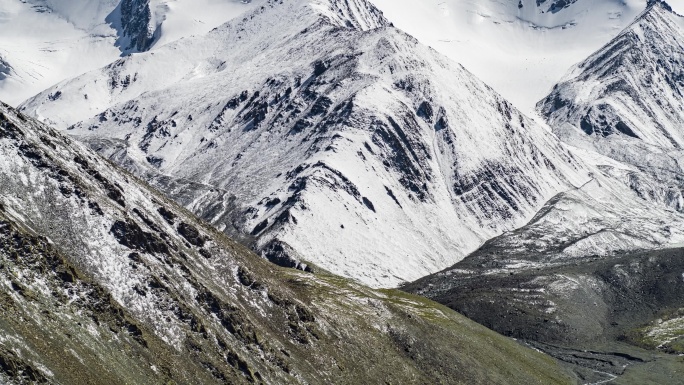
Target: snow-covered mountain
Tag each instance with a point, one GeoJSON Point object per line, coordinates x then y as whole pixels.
{"type": "Point", "coordinates": [625, 100]}
{"type": "Point", "coordinates": [620, 111]}
{"type": "Point", "coordinates": [337, 136]}
{"type": "Point", "coordinates": [104, 280]}
{"type": "Point", "coordinates": [316, 131]}
{"type": "Point", "coordinates": [523, 47]}
{"type": "Point", "coordinates": [42, 46]}
{"type": "Point", "coordinates": [519, 47]}
{"type": "Point", "coordinates": [47, 41]}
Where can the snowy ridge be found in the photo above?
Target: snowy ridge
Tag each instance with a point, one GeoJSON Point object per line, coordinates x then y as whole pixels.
{"type": "Point", "coordinates": [631, 88]}
{"type": "Point", "coordinates": [199, 56]}
{"type": "Point", "coordinates": [47, 41]}
{"type": "Point", "coordinates": [621, 209]}
{"type": "Point", "coordinates": [600, 219]}
{"type": "Point", "coordinates": [356, 149]}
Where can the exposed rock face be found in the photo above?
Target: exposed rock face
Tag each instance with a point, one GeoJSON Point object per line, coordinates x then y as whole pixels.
{"type": "Point", "coordinates": [557, 5]}
{"type": "Point", "coordinates": [136, 20]}
{"type": "Point", "coordinates": [5, 69]}
{"type": "Point", "coordinates": [552, 6]}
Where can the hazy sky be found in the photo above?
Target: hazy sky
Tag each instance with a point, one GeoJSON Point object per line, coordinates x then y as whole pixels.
{"type": "Point", "coordinates": [677, 5]}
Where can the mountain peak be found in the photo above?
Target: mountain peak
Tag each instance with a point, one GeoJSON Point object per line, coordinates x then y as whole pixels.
{"type": "Point", "coordinates": [659, 3]}
{"type": "Point", "coordinates": [357, 14]}
{"type": "Point", "coordinates": [629, 89]}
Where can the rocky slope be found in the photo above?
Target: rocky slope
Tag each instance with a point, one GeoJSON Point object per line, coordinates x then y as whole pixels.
{"type": "Point", "coordinates": [103, 278]}
{"type": "Point", "coordinates": [594, 313]}
{"type": "Point", "coordinates": [338, 140]}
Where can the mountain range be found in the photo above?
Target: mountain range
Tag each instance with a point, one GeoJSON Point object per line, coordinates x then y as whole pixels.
{"type": "Point", "coordinates": [339, 137]}
{"type": "Point", "coordinates": [325, 139]}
